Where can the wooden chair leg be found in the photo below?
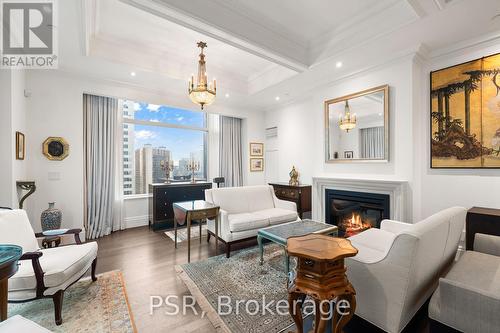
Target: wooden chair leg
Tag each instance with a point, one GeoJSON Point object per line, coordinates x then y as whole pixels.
{"type": "Point", "coordinates": [208, 237]}
{"type": "Point", "coordinates": [58, 302]}
{"type": "Point", "coordinates": [94, 264]}
{"type": "Point", "coordinates": [228, 250]}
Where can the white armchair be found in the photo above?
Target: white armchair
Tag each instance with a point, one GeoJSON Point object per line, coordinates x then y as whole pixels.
{"type": "Point", "coordinates": [44, 273]}
{"type": "Point", "coordinates": [399, 265]}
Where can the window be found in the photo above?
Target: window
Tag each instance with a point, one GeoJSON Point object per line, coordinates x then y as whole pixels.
{"type": "Point", "coordinates": [156, 133]}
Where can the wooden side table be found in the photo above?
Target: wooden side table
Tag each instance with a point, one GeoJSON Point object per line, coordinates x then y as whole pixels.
{"type": "Point", "coordinates": [481, 220]}
{"type": "Point", "coordinates": [321, 275]}
{"type": "Point", "coordinates": [9, 255]}
{"type": "Point", "coordinates": [185, 212]}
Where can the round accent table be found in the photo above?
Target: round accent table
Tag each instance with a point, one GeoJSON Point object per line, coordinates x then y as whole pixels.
{"type": "Point", "coordinates": [9, 255]}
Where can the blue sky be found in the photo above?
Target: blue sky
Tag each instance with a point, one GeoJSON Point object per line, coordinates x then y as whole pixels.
{"type": "Point", "coordinates": [180, 142]}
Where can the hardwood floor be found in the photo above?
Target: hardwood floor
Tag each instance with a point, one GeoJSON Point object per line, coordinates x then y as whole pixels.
{"type": "Point", "coordinates": [147, 260]}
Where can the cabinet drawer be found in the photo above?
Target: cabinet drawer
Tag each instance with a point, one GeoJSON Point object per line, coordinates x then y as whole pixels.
{"type": "Point", "coordinates": [287, 193]}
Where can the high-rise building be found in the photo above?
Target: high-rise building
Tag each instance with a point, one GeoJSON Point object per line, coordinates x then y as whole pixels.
{"type": "Point", "coordinates": [160, 154]}
{"type": "Point", "coordinates": [143, 168]}
{"type": "Point", "coordinates": [128, 149]}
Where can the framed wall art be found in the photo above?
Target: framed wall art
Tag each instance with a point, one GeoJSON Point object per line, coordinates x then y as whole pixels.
{"type": "Point", "coordinates": [256, 149]}
{"type": "Point", "coordinates": [20, 146]}
{"type": "Point", "coordinates": [55, 148]}
{"type": "Point", "coordinates": [465, 115]}
{"type": "Point", "coordinates": [256, 164]}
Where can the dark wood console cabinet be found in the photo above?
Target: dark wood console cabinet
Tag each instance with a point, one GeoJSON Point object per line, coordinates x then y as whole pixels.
{"type": "Point", "coordinates": [161, 213]}
{"type": "Point", "coordinates": [481, 220]}
{"type": "Point", "coordinates": [300, 194]}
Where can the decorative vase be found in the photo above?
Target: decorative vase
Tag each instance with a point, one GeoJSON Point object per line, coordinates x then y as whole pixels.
{"type": "Point", "coordinates": [51, 218]}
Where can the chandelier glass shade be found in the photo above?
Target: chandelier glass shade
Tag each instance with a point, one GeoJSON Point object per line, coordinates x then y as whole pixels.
{"type": "Point", "coordinates": [201, 92]}
{"type": "Point", "coordinates": [347, 121]}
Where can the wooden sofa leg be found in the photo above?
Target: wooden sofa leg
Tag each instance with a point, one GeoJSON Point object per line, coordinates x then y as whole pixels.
{"type": "Point", "coordinates": [228, 250]}
{"type": "Point", "coordinates": [92, 272]}
{"type": "Point", "coordinates": [58, 302]}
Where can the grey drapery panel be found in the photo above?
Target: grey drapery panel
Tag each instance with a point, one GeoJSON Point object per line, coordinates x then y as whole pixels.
{"type": "Point", "coordinates": [230, 166]}
{"type": "Point", "coordinates": [372, 142]}
{"type": "Point", "coordinates": [100, 144]}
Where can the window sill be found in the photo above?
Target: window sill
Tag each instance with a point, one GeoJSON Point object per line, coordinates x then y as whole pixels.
{"type": "Point", "coordinates": [136, 196]}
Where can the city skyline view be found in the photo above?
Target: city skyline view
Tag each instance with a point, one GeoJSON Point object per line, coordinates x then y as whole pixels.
{"type": "Point", "coordinates": [146, 145]}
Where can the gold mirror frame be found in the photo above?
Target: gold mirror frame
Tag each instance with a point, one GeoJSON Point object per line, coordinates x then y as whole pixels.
{"type": "Point", "coordinates": [385, 89]}
{"type": "Point", "coordinates": [60, 140]}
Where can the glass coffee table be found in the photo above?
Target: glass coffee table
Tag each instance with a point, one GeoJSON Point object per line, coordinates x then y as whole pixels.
{"type": "Point", "coordinates": [280, 233]}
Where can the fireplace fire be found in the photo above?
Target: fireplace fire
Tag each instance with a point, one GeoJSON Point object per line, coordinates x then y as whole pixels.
{"type": "Point", "coordinates": [354, 225]}
{"type": "Point", "coordinates": [354, 212]}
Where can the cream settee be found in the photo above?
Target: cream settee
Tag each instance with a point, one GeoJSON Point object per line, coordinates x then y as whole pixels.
{"type": "Point", "coordinates": [245, 210]}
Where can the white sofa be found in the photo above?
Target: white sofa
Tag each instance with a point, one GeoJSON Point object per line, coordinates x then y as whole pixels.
{"type": "Point", "coordinates": [245, 210]}
{"type": "Point", "coordinates": [399, 265]}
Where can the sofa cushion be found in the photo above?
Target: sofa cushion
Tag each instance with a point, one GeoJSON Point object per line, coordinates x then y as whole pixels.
{"type": "Point", "coordinates": [277, 215]}
{"type": "Point", "coordinates": [247, 199]}
{"type": "Point", "coordinates": [246, 221]}
{"type": "Point", "coordinates": [59, 264]}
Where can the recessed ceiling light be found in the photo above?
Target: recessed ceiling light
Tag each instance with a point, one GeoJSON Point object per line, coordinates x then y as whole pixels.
{"type": "Point", "coordinates": [338, 64]}
{"type": "Point", "coordinates": [380, 114]}
{"type": "Point", "coordinates": [227, 95]}
{"type": "Point", "coordinates": [132, 73]}
{"type": "Point", "coordinates": [277, 98]}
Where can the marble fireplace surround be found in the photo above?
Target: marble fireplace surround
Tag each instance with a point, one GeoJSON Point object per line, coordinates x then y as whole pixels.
{"type": "Point", "coordinates": [398, 191]}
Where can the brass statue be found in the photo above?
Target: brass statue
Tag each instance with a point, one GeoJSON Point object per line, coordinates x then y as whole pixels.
{"type": "Point", "coordinates": [294, 177]}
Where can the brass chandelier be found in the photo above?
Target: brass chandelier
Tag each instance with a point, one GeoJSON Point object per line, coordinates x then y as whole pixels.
{"type": "Point", "coordinates": [347, 122]}
{"type": "Point", "coordinates": [202, 93]}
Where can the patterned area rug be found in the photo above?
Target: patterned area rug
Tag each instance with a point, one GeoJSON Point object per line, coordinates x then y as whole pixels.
{"type": "Point", "coordinates": [182, 233]}
{"type": "Point", "coordinates": [241, 278]}
{"type": "Point", "coordinates": [100, 306]}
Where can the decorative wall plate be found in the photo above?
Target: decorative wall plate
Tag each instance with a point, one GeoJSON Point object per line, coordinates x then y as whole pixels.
{"type": "Point", "coordinates": [55, 148]}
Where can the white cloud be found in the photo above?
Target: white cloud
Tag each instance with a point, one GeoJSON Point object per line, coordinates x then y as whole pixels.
{"type": "Point", "coordinates": [154, 120]}
{"type": "Point", "coordinates": [180, 118]}
{"type": "Point", "coordinates": [137, 106]}
{"type": "Point", "coordinates": [153, 107]}
{"type": "Point", "coordinates": [144, 135]}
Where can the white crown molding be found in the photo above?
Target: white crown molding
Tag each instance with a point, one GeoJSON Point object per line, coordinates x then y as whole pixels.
{"type": "Point", "coordinates": [244, 43]}
{"type": "Point", "coordinates": [455, 49]}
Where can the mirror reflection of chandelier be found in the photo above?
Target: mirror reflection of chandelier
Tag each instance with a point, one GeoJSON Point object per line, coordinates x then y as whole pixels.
{"type": "Point", "coordinates": [347, 121]}
{"type": "Point", "coordinates": [202, 93]}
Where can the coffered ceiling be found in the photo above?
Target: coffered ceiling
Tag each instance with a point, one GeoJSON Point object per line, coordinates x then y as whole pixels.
{"type": "Point", "coordinates": [258, 49]}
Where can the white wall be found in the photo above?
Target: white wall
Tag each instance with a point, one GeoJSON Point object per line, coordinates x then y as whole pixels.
{"type": "Point", "coordinates": [13, 118]}
{"type": "Point", "coordinates": [55, 108]}
{"type": "Point", "coordinates": [442, 188]}
{"type": "Point", "coordinates": [301, 137]}
{"type": "Point", "coordinates": [301, 127]}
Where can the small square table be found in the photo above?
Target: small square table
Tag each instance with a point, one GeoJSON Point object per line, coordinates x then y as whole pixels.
{"type": "Point", "coordinates": [279, 234]}
{"type": "Point", "coordinates": [186, 211]}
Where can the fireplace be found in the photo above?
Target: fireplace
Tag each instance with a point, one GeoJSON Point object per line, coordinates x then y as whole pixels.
{"type": "Point", "coordinates": [353, 212]}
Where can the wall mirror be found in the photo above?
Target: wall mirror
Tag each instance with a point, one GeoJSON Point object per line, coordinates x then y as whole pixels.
{"type": "Point", "coordinates": [357, 126]}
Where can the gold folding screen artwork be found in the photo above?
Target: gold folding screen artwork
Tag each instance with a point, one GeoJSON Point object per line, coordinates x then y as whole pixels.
{"type": "Point", "coordinates": [465, 115]}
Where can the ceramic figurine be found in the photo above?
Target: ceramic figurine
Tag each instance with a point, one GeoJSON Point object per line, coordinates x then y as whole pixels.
{"type": "Point", "coordinates": [294, 177]}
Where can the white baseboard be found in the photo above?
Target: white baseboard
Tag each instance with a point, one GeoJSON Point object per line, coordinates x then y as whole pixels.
{"type": "Point", "coordinates": [136, 221]}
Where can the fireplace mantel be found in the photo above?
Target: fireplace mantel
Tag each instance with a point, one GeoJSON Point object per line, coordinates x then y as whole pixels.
{"type": "Point", "coordinates": [398, 190]}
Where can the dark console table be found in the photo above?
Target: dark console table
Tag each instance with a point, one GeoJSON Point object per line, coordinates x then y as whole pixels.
{"type": "Point", "coordinates": [481, 220]}
{"type": "Point", "coordinates": [161, 213]}
{"type": "Point", "coordinates": [300, 194]}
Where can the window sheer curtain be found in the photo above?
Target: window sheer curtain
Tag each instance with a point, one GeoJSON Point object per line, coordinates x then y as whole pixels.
{"type": "Point", "coordinates": [103, 177]}
{"type": "Point", "coordinates": [372, 142]}
{"type": "Point", "coordinates": [230, 154]}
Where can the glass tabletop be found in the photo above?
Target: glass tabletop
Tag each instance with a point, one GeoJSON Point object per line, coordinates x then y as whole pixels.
{"type": "Point", "coordinates": [9, 253]}
{"type": "Point", "coordinates": [194, 205]}
{"type": "Point", "coordinates": [282, 232]}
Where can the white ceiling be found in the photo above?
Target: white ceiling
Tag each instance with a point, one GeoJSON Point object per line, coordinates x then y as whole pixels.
{"type": "Point", "coordinates": [257, 49]}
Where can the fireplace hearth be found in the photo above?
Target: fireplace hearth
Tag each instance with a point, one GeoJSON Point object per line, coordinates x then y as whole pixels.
{"type": "Point", "coordinates": [354, 212]}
